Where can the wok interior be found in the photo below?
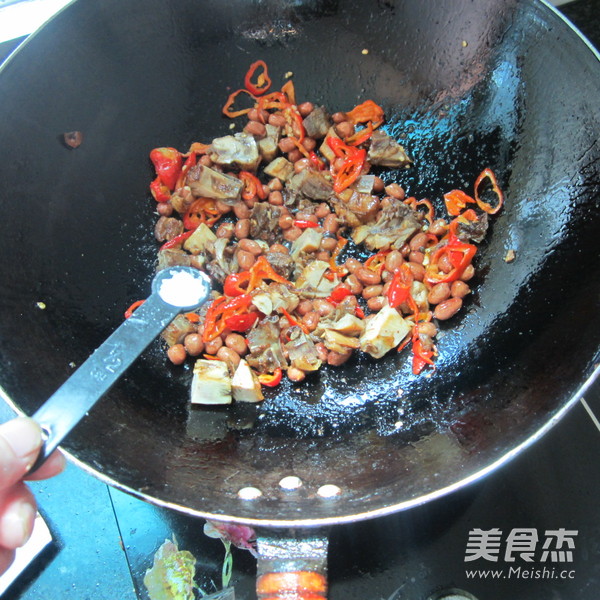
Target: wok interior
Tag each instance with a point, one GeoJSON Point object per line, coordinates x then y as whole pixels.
{"type": "Point", "coordinates": [505, 85]}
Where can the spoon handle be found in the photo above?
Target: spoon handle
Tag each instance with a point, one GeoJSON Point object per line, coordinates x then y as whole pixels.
{"type": "Point", "coordinates": [71, 402]}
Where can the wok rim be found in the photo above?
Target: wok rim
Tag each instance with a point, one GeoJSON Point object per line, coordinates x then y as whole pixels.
{"type": "Point", "coordinates": [344, 519]}
{"type": "Point", "coordinates": [313, 523]}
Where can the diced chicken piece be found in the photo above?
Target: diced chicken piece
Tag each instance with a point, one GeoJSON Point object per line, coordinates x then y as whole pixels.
{"type": "Point", "coordinates": [263, 302]}
{"type": "Point", "coordinates": [338, 342]}
{"type": "Point", "coordinates": [264, 222]}
{"type": "Point", "coordinates": [302, 351]}
{"type": "Point", "coordinates": [364, 184]}
{"type": "Point", "coordinates": [171, 257]}
{"type": "Point", "coordinates": [313, 282]}
{"type": "Point", "coordinates": [348, 325]}
{"type": "Point", "coordinates": [473, 231]}
{"type": "Point", "coordinates": [325, 149]}
{"type": "Point", "coordinates": [282, 263]}
{"type": "Point", "coordinates": [182, 199]}
{"type": "Point", "coordinates": [264, 345]}
{"type": "Point", "coordinates": [211, 383]}
{"type": "Point", "coordinates": [312, 274]}
{"type": "Point", "coordinates": [206, 182]}
{"type": "Point", "coordinates": [167, 228]}
{"type": "Point", "coordinates": [317, 123]}
{"type": "Point", "coordinates": [198, 241]}
{"type": "Point", "coordinates": [419, 293]}
{"type": "Point", "coordinates": [239, 150]}
{"type": "Point", "coordinates": [383, 332]}
{"type": "Point", "coordinates": [385, 151]}
{"type": "Point", "coordinates": [312, 184]}
{"type": "Point", "coordinates": [396, 223]}
{"type": "Point", "coordinates": [308, 241]}
{"type": "Point", "coordinates": [267, 147]}
{"type": "Point", "coordinates": [282, 297]}
{"type": "Point", "coordinates": [281, 168]}
{"type": "Point", "coordinates": [245, 386]}
{"type": "Point", "coordinates": [355, 208]}
{"type": "Point", "coordinates": [176, 331]}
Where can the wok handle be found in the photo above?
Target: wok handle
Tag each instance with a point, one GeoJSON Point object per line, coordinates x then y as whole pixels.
{"type": "Point", "coordinates": [292, 567]}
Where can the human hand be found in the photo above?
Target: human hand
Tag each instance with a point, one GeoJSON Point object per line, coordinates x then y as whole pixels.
{"type": "Point", "coordinates": [20, 443]}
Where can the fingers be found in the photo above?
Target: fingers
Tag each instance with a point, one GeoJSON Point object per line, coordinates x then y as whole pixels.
{"type": "Point", "coordinates": [17, 516]}
{"type": "Point", "coordinates": [6, 559]}
{"type": "Point", "coordinates": [20, 443]}
{"type": "Point", "coordinates": [54, 465]}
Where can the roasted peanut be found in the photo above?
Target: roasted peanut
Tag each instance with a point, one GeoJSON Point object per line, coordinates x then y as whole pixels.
{"type": "Point", "coordinates": [322, 210]}
{"type": "Point", "coordinates": [193, 344]}
{"type": "Point", "coordinates": [309, 143]}
{"type": "Point", "coordinates": [250, 246]}
{"type": "Point", "coordinates": [354, 284]}
{"type": "Point", "coordinates": [438, 227]}
{"type": "Point", "coordinates": [225, 230]}
{"type": "Point", "coordinates": [304, 307]}
{"type": "Point", "coordinates": [229, 356]}
{"type": "Point", "coordinates": [331, 223]}
{"type": "Point", "coordinates": [275, 198]}
{"type": "Point", "coordinates": [417, 270]}
{"type": "Point", "coordinates": [427, 328]}
{"type": "Point", "coordinates": [275, 185]}
{"type": "Point", "coordinates": [416, 257]}
{"type": "Point", "coordinates": [321, 351]}
{"type": "Point", "coordinates": [242, 229]}
{"type": "Point", "coordinates": [352, 264]}
{"type": "Point", "coordinates": [323, 307]}
{"type": "Point", "coordinates": [279, 248]}
{"type": "Point", "coordinates": [237, 342]}
{"type": "Point", "coordinates": [367, 277]}
{"type": "Point", "coordinates": [292, 234]}
{"type": "Point", "coordinates": [241, 210]}
{"type": "Point", "coordinates": [301, 164]}
{"type": "Point", "coordinates": [447, 309]}
{"type": "Point", "coordinates": [286, 221]}
{"type": "Point", "coordinates": [418, 243]}
{"type": "Point", "coordinates": [344, 129]}
{"type": "Point", "coordinates": [459, 289]}
{"type": "Point", "coordinates": [393, 261]}
{"type": "Point", "coordinates": [286, 144]}
{"type": "Point", "coordinates": [296, 375]}
{"type": "Point", "coordinates": [444, 263]}
{"type": "Point", "coordinates": [376, 303]}
{"type": "Point", "coordinates": [305, 108]}
{"type": "Point", "coordinates": [335, 359]}
{"type": "Point", "coordinates": [277, 120]}
{"type": "Point", "coordinates": [468, 273]}
{"type": "Point", "coordinates": [177, 354]}
{"type": "Point", "coordinates": [328, 243]}
{"type": "Point", "coordinates": [245, 259]}
{"type": "Point", "coordinates": [311, 320]}
{"type": "Point", "coordinates": [213, 346]}
{"type": "Point", "coordinates": [256, 128]}
{"type": "Point", "coordinates": [371, 291]}
{"type": "Point", "coordinates": [395, 191]}
{"type": "Point", "coordinates": [438, 293]}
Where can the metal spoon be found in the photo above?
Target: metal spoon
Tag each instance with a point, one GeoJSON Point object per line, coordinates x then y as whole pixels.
{"type": "Point", "coordinates": [174, 290]}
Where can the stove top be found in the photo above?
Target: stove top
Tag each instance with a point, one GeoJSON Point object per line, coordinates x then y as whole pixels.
{"type": "Point", "coordinates": [529, 530]}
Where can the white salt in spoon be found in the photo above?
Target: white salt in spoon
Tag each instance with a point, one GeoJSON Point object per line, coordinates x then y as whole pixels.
{"type": "Point", "coordinates": [174, 290]}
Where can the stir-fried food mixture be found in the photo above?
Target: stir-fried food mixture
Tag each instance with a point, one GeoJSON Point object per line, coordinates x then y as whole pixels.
{"type": "Point", "coordinates": [267, 211]}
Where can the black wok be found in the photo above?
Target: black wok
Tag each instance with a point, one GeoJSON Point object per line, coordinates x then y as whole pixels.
{"type": "Point", "coordinates": [500, 84]}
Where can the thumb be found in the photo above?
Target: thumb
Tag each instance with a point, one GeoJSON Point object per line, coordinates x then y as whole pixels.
{"type": "Point", "coordinates": [20, 443]}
